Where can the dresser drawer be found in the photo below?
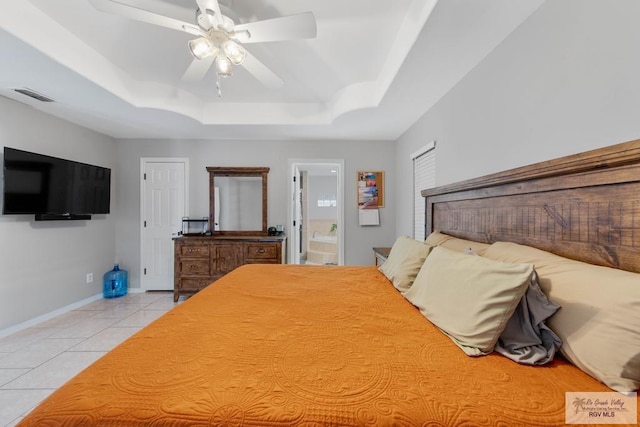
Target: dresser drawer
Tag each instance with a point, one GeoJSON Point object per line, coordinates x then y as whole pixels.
{"type": "Point", "coordinates": [194, 250]}
{"type": "Point", "coordinates": [194, 284]}
{"type": "Point", "coordinates": [195, 267]}
{"type": "Point", "coordinates": [199, 261]}
{"type": "Point", "coordinates": [257, 251]}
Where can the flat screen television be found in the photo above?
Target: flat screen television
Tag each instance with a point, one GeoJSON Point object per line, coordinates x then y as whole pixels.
{"type": "Point", "coordinates": [53, 188]}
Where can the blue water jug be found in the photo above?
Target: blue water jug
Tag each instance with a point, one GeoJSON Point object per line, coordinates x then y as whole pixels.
{"type": "Point", "coordinates": [114, 283]}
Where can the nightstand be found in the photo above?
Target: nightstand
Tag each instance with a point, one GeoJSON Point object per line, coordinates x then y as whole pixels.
{"type": "Point", "coordinates": [381, 255]}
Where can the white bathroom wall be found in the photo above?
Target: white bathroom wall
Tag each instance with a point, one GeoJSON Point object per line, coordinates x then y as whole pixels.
{"type": "Point", "coordinates": [318, 188]}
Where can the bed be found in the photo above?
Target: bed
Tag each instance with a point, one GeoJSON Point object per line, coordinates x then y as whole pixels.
{"type": "Point", "coordinates": [278, 345]}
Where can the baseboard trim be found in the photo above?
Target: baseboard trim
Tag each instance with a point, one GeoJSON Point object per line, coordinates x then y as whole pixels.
{"type": "Point", "coordinates": [47, 316]}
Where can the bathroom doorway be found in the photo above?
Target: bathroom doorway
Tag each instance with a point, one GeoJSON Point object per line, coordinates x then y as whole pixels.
{"type": "Point", "coordinates": [316, 212]}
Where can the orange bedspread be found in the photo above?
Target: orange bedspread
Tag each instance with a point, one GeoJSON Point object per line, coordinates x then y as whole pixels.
{"type": "Point", "coordinates": [275, 345]}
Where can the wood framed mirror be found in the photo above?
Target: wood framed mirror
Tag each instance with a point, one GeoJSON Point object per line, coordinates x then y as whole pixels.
{"type": "Point", "coordinates": [238, 201]}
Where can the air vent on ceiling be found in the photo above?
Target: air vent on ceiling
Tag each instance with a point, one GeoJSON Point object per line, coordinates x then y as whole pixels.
{"type": "Point", "coordinates": [33, 94]}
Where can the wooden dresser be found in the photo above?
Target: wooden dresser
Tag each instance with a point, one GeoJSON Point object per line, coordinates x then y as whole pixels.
{"type": "Point", "coordinates": [200, 260]}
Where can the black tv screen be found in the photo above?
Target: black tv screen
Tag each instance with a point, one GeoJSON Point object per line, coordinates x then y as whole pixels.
{"type": "Point", "coordinates": [45, 185]}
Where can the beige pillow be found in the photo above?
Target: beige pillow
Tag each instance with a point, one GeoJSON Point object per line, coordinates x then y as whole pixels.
{"type": "Point", "coordinates": [405, 260]}
{"type": "Point", "coordinates": [437, 238]}
{"type": "Point", "coordinates": [599, 322]}
{"type": "Point", "coordinates": [470, 298]}
{"type": "Point", "coordinates": [454, 243]}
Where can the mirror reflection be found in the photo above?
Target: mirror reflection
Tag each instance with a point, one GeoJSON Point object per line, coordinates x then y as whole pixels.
{"type": "Point", "coordinates": [238, 203]}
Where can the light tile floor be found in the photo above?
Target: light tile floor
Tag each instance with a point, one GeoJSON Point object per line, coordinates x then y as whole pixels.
{"type": "Point", "coordinates": [36, 361]}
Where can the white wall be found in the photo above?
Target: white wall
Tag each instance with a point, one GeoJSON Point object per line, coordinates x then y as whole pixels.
{"type": "Point", "coordinates": [317, 188]}
{"type": "Point", "coordinates": [358, 155]}
{"type": "Point", "coordinates": [564, 82]}
{"type": "Point", "coordinates": [43, 265]}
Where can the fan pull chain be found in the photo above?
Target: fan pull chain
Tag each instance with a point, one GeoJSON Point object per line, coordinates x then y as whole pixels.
{"type": "Point", "coordinates": [218, 85]}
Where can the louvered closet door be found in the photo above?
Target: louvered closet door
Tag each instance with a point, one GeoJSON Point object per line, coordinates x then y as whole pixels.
{"type": "Point", "coordinates": [424, 176]}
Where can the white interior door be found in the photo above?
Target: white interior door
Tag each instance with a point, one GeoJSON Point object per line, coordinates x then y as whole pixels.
{"type": "Point", "coordinates": [164, 203]}
{"type": "Point", "coordinates": [296, 235]}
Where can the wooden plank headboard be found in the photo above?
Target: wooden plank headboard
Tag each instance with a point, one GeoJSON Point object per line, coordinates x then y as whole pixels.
{"type": "Point", "coordinates": [585, 206]}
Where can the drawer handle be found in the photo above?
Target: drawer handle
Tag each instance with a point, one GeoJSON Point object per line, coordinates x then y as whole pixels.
{"type": "Point", "coordinates": [193, 267]}
{"type": "Point", "coordinates": [261, 250]}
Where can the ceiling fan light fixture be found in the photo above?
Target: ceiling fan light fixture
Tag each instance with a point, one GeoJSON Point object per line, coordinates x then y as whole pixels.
{"type": "Point", "coordinates": [234, 51]}
{"type": "Point", "coordinates": [218, 38]}
{"type": "Point", "coordinates": [202, 48]}
{"type": "Point", "coordinates": [223, 65]}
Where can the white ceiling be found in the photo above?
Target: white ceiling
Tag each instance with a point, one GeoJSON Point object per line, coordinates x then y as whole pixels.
{"type": "Point", "coordinates": [374, 68]}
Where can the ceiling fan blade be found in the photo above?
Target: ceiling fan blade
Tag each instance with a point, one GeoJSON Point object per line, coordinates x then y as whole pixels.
{"type": "Point", "coordinates": [261, 72]}
{"type": "Point", "coordinates": [213, 6]}
{"type": "Point", "coordinates": [300, 26]}
{"type": "Point", "coordinates": [198, 69]}
{"type": "Point", "coordinates": [131, 12]}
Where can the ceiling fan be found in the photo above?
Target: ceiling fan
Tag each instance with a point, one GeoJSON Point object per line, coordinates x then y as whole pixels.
{"type": "Point", "coordinates": [220, 40]}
